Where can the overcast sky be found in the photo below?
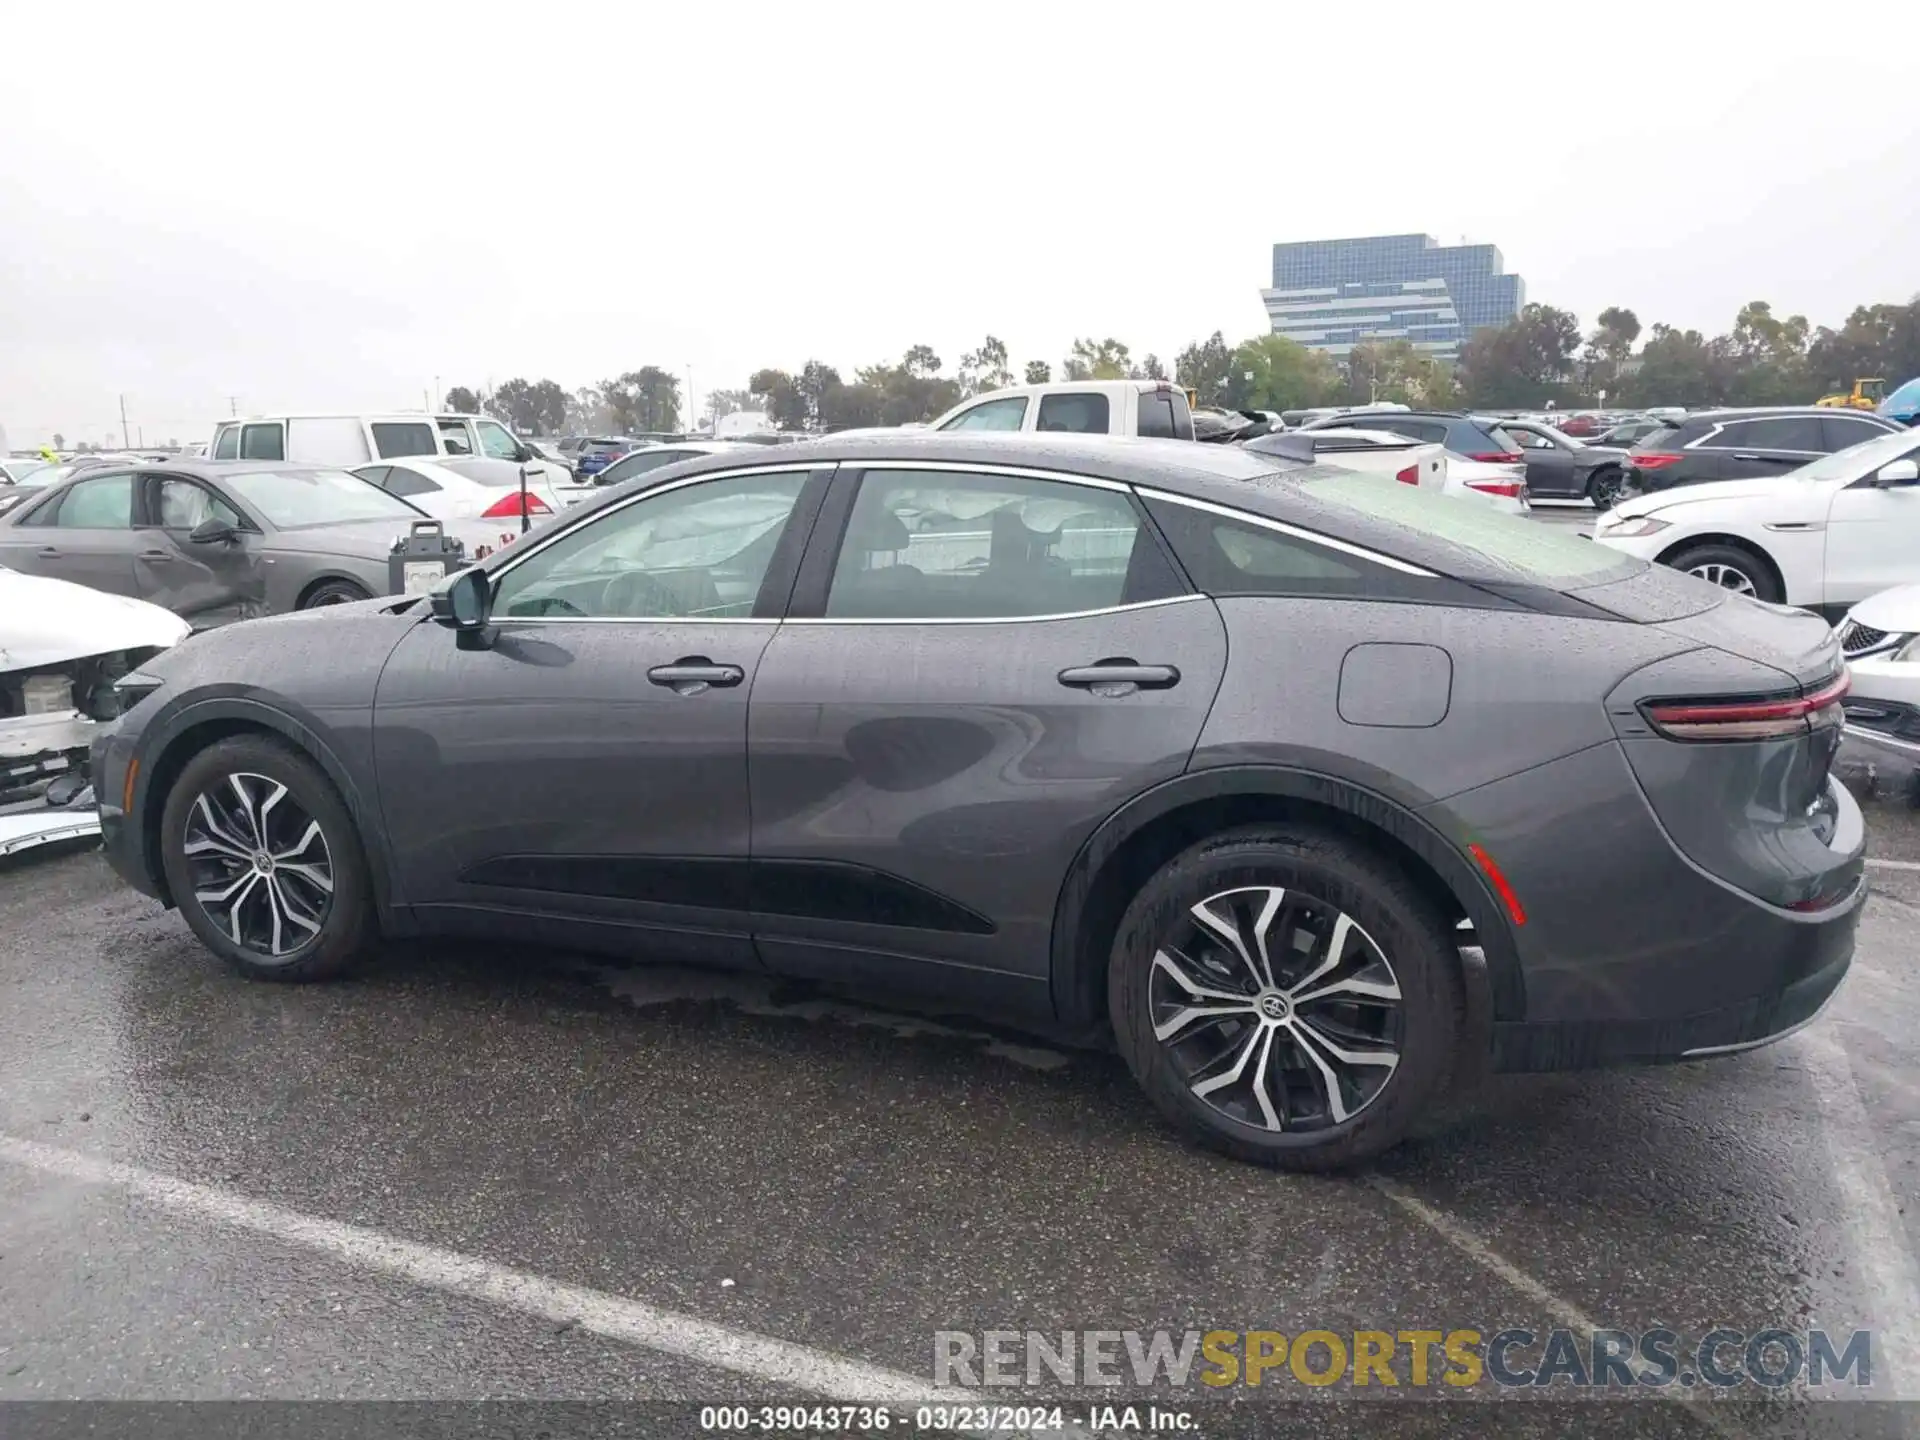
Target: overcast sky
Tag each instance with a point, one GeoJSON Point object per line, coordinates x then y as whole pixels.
{"type": "Point", "coordinates": [204, 205]}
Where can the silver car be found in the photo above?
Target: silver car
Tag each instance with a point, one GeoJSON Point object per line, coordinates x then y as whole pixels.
{"type": "Point", "coordinates": [222, 541]}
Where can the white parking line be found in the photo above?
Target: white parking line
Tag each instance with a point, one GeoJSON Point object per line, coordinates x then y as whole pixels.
{"type": "Point", "coordinates": [761, 1357]}
{"type": "Point", "coordinates": [1913, 865]}
{"type": "Point", "coordinates": [1882, 1259]}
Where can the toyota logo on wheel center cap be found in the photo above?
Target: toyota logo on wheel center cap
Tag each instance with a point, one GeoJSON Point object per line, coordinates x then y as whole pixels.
{"type": "Point", "coordinates": [1275, 1006]}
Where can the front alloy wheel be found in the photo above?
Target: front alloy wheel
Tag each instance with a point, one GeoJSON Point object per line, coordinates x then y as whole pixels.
{"type": "Point", "coordinates": [261, 855]}
{"type": "Point", "coordinates": [1278, 1011]}
{"type": "Point", "coordinates": [1727, 577]}
{"type": "Point", "coordinates": [260, 865]}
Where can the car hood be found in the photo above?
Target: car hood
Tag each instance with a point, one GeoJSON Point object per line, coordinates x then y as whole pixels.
{"type": "Point", "coordinates": [48, 622]}
{"type": "Point", "coordinates": [1774, 492]}
{"type": "Point", "coordinates": [1897, 611]}
{"type": "Point", "coordinates": [373, 539]}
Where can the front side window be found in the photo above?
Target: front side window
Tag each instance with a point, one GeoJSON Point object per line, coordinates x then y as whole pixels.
{"type": "Point", "coordinates": [262, 442]}
{"type": "Point", "coordinates": [1082, 413]}
{"type": "Point", "coordinates": [102, 504]}
{"type": "Point", "coordinates": [295, 499]}
{"type": "Point", "coordinates": [496, 441]}
{"type": "Point", "coordinates": [937, 545]}
{"type": "Point", "coordinates": [1843, 431]}
{"type": "Point", "coordinates": [697, 551]}
{"type": "Point", "coordinates": [407, 437]}
{"type": "Point", "coordinates": [1007, 414]}
{"type": "Point", "coordinates": [183, 505]}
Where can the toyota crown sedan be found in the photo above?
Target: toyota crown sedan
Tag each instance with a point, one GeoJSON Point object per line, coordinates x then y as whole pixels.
{"type": "Point", "coordinates": [1219, 758]}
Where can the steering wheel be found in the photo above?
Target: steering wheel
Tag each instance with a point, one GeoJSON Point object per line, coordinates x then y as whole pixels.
{"type": "Point", "coordinates": [634, 594]}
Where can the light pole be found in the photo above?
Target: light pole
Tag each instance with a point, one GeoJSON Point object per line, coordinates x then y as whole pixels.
{"type": "Point", "coordinates": [693, 408]}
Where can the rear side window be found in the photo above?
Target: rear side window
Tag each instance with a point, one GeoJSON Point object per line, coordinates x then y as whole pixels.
{"type": "Point", "coordinates": [1229, 557]}
{"type": "Point", "coordinates": [409, 437]}
{"type": "Point", "coordinates": [1083, 413]}
{"type": "Point", "coordinates": [1780, 432]}
{"type": "Point", "coordinates": [1007, 414]}
{"type": "Point", "coordinates": [226, 445]}
{"type": "Point", "coordinates": [262, 442]}
{"type": "Point", "coordinates": [402, 481]}
{"type": "Point", "coordinates": [103, 504]}
{"type": "Point", "coordinates": [1504, 441]}
{"type": "Point", "coordinates": [639, 463]}
{"type": "Point", "coordinates": [454, 432]}
{"type": "Point", "coordinates": [1156, 415]}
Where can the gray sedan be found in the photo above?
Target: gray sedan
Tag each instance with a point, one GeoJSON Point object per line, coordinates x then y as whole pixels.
{"type": "Point", "coordinates": [1220, 757]}
{"type": "Point", "coordinates": [1562, 468]}
{"type": "Point", "coordinates": [220, 541]}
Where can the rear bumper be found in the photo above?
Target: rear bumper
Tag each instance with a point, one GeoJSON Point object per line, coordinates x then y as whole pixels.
{"type": "Point", "coordinates": [1826, 951]}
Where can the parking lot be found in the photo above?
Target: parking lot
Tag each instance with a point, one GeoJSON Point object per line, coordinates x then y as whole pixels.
{"type": "Point", "coordinates": [482, 1173]}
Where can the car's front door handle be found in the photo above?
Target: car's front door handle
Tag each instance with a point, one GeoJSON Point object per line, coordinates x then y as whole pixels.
{"type": "Point", "coordinates": [1120, 677]}
{"type": "Point", "coordinates": [691, 674]}
{"type": "Point", "coordinates": [48, 552]}
{"type": "Point", "coordinates": [157, 555]}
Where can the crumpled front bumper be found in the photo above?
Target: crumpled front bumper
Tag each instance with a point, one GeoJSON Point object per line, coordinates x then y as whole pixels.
{"type": "Point", "coordinates": [43, 781]}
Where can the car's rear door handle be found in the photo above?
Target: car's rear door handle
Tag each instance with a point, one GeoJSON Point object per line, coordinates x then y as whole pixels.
{"type": "Point", "coordinates": [691, 674]}
{"type": "Point", "coordinates": [48, 552]}
{"type": "Point", "coordinates": [157, 555]}
{"type": "Point", "coordinates": [1120, 676]}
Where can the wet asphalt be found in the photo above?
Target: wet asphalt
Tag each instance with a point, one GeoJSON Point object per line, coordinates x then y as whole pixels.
{"type": "Point", "coordinates": [807, 1166]}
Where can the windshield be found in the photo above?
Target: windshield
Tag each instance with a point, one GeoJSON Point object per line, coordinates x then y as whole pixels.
{"type": "Point", "coordinates": [1856, 460]}
{"type": "Point", "coordinates": [1525, 549]}
{"type": "Point", "coordinates": [299, 499]}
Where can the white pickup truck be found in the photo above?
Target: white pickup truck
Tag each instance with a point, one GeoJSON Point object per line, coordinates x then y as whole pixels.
{"type": "Point", "coordinates": [1151, 409]}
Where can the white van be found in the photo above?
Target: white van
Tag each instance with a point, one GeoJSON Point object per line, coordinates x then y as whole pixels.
{"type": "Point", "coordinates": [353, 440]}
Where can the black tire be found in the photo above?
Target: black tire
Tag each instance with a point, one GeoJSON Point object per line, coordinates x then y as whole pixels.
{"type": "Point", "coordinates": [1721, 560]}
{"type": "Point", "coordinates": [334, 592]}
{"type": "Point", "coordinates": [1320, 869]}
{"type": "Point", "coordinates": [1604, 487]}
{"type": "Point", "coordinates": [345, 917]}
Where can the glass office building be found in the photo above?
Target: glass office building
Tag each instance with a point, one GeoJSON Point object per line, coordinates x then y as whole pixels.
{"type": "Point", "coordinates": [1332, 294]}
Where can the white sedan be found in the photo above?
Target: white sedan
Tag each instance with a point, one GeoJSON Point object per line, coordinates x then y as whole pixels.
{"type": "Point", "coordinates": [478, 489]}
{"type": "Point", "coordinates": [1822, 537]}
{"type": "Point", "coordinates": [1881, 640]}
{"type": "Point", "coordinates": [1503, 486]}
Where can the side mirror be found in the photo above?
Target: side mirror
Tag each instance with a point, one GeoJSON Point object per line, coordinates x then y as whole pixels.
{"type": "Point", "coordinates": [1895, 473]}
{"type": "Point", "coordinates": [213, 532]}
{"type": "Point", "coordinates": [522, 453]}
{"type": "Point", "coordinates": [463, 602]}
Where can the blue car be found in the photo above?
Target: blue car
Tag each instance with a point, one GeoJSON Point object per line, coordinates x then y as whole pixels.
{"type": "Point", "coordinates": [598, 453]}
{"type": "Point", "coordinates": [1903, 404]}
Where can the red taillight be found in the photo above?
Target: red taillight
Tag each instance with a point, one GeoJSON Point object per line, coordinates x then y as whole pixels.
{"type": "Point", "coordinates": [508, 507]}
{"type": "Point", "coordinates": [1409, 476]}
{"type": "Point", "coordinates": [1653, 460]}
{"type": "Point", "coordinates": [1751, 719]}
{"type": "Point", "coordinates": [1500, 886]}
{"type": "Point", "coordinates": [1498, 457]}
{"type": "Point", "coordinates": [1511, 489]}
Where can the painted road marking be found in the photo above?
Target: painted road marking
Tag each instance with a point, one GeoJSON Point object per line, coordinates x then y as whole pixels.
{"type": "Point", "coordinates": [761, 1357]}
{"type": "Point", "coordinates": [1913, 865]}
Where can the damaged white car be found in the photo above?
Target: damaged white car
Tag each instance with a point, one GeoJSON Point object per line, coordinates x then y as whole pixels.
{"type": "Point", "coordinates": [62, 647]}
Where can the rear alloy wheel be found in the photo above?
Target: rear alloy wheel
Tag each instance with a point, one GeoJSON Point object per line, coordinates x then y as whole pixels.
{"type": "Point", "coordinates": [1286, 996]}
{"type": "Point", "coordinates": [1731, 569]}
{"type": "Point", "coordinates": [263, 861]}
{"type": "Point", "coordinates": [334, 592]}
{"type": "Point", "coordinates": [1604, 486]}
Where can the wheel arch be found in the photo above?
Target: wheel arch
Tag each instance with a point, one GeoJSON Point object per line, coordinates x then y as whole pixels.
{"type": "Point", "coordinates": [331, 577]}
{"type": "Point", "coordinates": [1150, 829]}
{"type": "Point", "coordinates": [208, 722]}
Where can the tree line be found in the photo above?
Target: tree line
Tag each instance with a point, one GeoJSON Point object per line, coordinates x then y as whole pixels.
{"type": "Point", "coordinates": [1539, 357]}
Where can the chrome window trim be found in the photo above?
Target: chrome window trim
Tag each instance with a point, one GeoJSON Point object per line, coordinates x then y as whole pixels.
{"type": "Point", "coordinates": [507, 622]}
{"type": "Point", "coordinates": [1021, 472]}
{"type": "Point", "coordinates": [521, 558]}
{"type": "Point", "coordinates": [994, 619]}
{"type": "Point", "coordinates": [1359, 552]}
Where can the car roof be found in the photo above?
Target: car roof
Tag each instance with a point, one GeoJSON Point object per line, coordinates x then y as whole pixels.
{"type": "Point", "coordinates": [1766, 412]}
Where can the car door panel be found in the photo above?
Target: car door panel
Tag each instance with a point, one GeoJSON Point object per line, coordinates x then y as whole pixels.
{"type": "Point", "coordinates": [97, 551]}
{"type": "Point", "coordinates": [1873, 537]}
{"type": "Point", "coordinates": [586, 762]}
{"type": "Point", "coordinates": [205, 583]}
{"type": "Point", "coordinates": [920, 784]}
{"type": "Point", "coordinates": [547, 774]}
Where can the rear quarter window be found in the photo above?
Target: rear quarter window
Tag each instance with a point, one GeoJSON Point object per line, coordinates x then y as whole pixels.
{"type": "Point", "coordinates": [1083, 413]}
{"type": "Point", "coordinates": [1505, 547]}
